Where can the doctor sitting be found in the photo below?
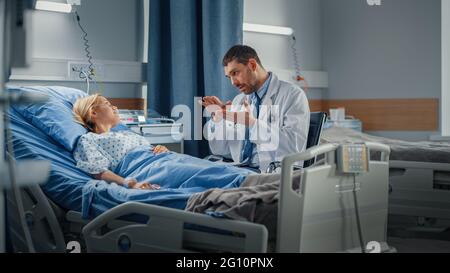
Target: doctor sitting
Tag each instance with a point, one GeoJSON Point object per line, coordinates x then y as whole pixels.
{"type": "Point", "coordinates": [268, 120]}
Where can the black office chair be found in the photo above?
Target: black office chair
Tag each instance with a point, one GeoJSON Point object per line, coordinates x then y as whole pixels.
{"type": "Point", "coordinates": [316, 122]}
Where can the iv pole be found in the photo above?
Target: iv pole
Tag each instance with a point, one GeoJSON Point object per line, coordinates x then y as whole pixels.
{"type": "Point", "coordinates": [4, 62]}
{"type": "Point", "coordinates": [13, 52]}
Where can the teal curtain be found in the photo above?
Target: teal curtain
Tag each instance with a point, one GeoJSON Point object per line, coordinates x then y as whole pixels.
{"type": "Point", "coordinates": [187, 41]}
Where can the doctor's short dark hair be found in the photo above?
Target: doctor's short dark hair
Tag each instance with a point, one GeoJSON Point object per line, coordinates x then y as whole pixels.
{"type": "Point", "coordinates": [242, 54]}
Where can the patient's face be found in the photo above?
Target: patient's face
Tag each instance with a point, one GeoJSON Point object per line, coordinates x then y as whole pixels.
{"type": "Point", "coordinates": [104, 113]}
{"type": "Point", "coordinates": [242, 76]}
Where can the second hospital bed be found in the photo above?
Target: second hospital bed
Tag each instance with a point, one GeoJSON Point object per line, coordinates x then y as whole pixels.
{"type": "Point", "coordinates": [319, 217]}
{"type": "Point", "coordinates": [419, 176]}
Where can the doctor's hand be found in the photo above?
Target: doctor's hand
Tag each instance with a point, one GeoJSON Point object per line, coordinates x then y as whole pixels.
{"type": "Point", "coordinates": [213, 100]}
{"type": "Point", "coordinates": [158, 149]}
{"type": "Point", "coordinates": [244, 117]}
{"type": "Point", "coordinates": [213, 104]}
{"type": "Point", "coordinates": [218, 116]}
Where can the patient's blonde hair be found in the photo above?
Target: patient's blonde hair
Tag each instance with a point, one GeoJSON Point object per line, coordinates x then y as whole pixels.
{"type": "Point", "coordinates": [82, 110]}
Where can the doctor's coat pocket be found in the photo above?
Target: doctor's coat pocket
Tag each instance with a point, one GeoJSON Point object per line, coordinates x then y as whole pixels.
{"type": "Point", "coordinates": [272, 118]}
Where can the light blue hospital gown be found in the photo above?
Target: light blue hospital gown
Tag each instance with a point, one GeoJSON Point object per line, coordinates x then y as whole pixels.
{"type": "Point", "coordinates": [96, 153]}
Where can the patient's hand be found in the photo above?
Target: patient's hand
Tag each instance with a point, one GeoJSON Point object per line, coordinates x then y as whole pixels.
{"type": "Point", "coordinates": [146, 186]}
{"type": "Point", "coordinates": [158, 149]}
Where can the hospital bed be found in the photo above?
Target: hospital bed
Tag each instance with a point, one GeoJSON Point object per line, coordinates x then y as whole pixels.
{"type": "Point", "coordinates": [319, 217]}
{"type": "Point", "coordinates": [419, 176]}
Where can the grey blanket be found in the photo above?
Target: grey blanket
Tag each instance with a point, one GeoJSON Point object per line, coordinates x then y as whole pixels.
{"type": "Point", "coordinates": [256, 200]}
{"type": "Point", "coordinates": [423, 151]}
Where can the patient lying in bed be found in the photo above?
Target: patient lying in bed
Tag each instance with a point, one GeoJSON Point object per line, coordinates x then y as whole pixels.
{"type": "Point", "coordinates": [101, 150]}
{"type": "Point", "coordinates": [129, 161]}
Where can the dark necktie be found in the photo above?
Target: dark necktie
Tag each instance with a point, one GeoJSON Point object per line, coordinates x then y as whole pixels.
{"type": "Point", "coordinates": [248, 146]}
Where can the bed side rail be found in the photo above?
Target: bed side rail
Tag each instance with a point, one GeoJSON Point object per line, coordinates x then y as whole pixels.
{"type": "Point", "coordinates": [291, 202]}
{"type": "Point", "coordinates": [164, 230]}
{"type": "Point", "coordinates": [41, 219]}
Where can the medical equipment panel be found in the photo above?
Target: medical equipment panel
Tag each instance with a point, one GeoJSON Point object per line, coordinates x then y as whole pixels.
{"type": "Point", "coordinates": [158, 130]}
{"type": "Point", "coordinates": [352, 158]}
{"type": "Point", "coordinates": [164, 133]}
{"type": "Point", "coordinates": [131, 117]}
{"type": "Point", "coordinates": [350, 123]}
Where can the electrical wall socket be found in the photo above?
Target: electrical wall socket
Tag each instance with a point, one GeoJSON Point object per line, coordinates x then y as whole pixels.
{"type": "Point", "coordinates": [74, 69]}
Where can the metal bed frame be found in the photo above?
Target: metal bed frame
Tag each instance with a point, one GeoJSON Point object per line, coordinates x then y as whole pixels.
{"type": "Point", "coordinates": [419, 199]}
{"type": "Point", "coordinates": [318, 218]}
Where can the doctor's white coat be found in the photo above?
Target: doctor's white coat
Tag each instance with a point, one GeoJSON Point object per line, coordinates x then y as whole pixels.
{"type": "Point", "coordinates": [281, 128]}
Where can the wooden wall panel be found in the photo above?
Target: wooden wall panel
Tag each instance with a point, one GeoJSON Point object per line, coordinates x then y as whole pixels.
{"type": "Point", "coordinates": [391, 114]}
{"type": "Point", "coordinates": [316, 105]}
{"type": "Point", "coordinates": [131, 104]}
{"type": "Point", "coordinates": [375, 114]}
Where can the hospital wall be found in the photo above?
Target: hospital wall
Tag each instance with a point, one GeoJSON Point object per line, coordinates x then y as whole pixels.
{"type": "Point", "coordinates": [115, 33]}
{"type": "Point", "coordinates": [382, 62]}
{"type": "Point", "coordinates": [388, 52]}
{"type": "Point", "coordinates": [301, 15]}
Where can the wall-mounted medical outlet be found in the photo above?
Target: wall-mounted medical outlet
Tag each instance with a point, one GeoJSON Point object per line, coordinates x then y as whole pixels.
{"type": "Point", "coordinates": [374, 2]}
{"type": "Point", "coordinates": [75, 70]}
{"type": "Point", "coordinates": [74, 2]}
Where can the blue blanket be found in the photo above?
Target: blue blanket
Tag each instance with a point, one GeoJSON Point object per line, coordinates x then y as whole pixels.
{"type": "Point", "coordinates": [178, 175]}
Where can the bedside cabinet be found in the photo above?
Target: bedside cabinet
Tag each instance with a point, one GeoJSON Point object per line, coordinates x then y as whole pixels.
{"type": "Point", "coordinates": [167, 134]}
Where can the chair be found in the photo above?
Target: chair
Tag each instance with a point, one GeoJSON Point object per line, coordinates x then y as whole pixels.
{"type": "Point", "coordinates": [316, 122]}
